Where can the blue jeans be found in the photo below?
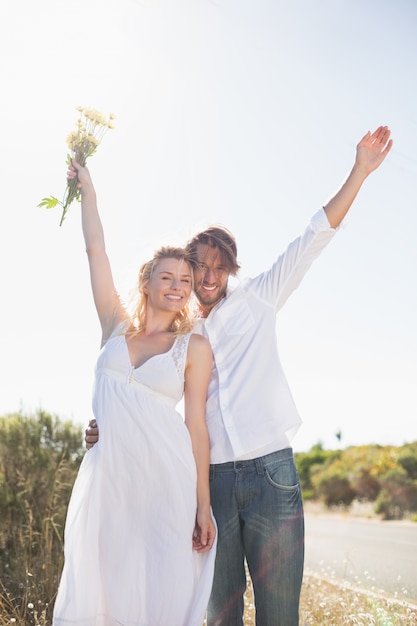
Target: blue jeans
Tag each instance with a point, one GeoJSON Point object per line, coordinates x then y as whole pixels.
{"type": "Point", "coordinates": [259, 512]}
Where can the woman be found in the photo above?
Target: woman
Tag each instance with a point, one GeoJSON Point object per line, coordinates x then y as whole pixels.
{"type": "Point", "coordinates": [139, 547]}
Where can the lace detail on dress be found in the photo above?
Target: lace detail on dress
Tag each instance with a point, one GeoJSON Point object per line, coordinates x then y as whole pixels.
{"type": "Point", "coordinates": [179, 353]}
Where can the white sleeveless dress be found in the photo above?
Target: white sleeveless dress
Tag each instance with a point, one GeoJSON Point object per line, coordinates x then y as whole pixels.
{"type": "Point", "coordinates": [128, 535]}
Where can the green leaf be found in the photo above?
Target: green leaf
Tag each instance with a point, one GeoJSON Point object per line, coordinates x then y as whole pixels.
{"type": "Point", "coordinates": [49, 203]}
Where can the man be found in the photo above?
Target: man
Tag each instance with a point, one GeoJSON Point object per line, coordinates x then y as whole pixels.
{"type": "Point", "coordinates": [251, 416]}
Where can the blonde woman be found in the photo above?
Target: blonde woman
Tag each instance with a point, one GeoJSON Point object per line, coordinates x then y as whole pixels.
{"type": "Point", "coordinates": [139, 537]}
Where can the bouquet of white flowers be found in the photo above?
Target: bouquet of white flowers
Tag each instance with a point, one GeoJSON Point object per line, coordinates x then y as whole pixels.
{"type": "Point", "coordinates": [82, 142]}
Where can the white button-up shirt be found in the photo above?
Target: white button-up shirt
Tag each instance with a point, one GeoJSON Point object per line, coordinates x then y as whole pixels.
{"type": "Point", "coordinates": [250, 409]}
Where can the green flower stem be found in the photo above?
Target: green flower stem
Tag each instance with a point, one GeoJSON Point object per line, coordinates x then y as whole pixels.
{"type": "Point", "coordinates": [72, 193]}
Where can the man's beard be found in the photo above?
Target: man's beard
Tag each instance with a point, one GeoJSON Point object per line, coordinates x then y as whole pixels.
{"type": "Point", "coordinates": [206, 300]}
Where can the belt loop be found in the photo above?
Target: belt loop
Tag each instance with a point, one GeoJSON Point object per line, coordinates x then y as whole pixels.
{"type": "Point", "coordinates": [259, 465]}
{"type": "Point", "coordinates": [211, 472]}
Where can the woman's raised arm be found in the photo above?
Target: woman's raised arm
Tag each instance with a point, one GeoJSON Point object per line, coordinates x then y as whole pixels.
{"type": "Point", "coordinates": [107, 301]}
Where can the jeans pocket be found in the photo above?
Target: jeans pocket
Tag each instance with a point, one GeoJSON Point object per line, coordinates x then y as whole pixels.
{"type": "Point", "coordinates": [283, 476]}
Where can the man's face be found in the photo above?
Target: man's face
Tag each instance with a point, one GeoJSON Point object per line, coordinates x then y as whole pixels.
{"type": "Point", "coordinates": [210, 277]}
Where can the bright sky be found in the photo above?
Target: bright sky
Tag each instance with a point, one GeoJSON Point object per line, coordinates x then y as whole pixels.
{"type": "Point", "coordinates": [239, 112]}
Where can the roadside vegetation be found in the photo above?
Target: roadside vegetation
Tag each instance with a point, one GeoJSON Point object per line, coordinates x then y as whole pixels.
{"type": "Point", "coordinates": [385, 476]}
{"type": "Point", "coordinates": [326, 602]}
{"type": "Point", "coordinates": [39, 459]}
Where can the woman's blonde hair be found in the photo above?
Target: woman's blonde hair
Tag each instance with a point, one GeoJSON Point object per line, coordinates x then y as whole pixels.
{"type": "Point", "coordinates": [184, 319]}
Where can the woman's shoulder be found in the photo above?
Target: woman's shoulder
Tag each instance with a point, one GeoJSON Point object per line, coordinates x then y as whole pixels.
{"type": "Point", "coordinates": [119, 327]}
{"type": "Point", "coordinates": [198, 345]}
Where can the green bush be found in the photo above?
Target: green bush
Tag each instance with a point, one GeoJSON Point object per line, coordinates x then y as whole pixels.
{"type": "Point", "coordinates": [39, 460]}
{"type": "Point", "coordinates": [366, 486]}
{"type": "Point", "coordinates": [398, 495]}
{"type": "Point", "coordinates": [334, 487]}
{"type": "Point", "coordinates": [308, 463]}
{"type": "Point", "coordinates": [361, 472]}
{"type": "Point", "coordinates": [408, 460]}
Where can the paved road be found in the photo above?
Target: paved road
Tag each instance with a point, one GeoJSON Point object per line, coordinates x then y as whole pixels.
{"type": "Point", "coordinates": [369, 553]}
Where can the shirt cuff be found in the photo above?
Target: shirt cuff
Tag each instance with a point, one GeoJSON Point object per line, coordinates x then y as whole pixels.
{"type": "Point", "coordinates": [320, 222]}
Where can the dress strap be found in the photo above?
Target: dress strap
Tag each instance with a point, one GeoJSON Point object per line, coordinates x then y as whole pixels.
{"type": "Point", "coordinates": [179, 352]}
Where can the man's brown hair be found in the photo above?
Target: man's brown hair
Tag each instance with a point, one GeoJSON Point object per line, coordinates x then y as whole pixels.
{"type": "Point", "coordinates": [219, 238]}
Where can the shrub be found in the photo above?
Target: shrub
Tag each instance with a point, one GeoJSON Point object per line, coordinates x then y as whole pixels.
{"type": "Point", "coordinates": [39, 460]}
{"type": "Point", "coordinates": [408, 460]}
{"type": "Point", "coordinates": [366, 486]}
{"type": "Point", "coordinates": [398, 495]}
{"type": "Point", "coordinates": [334, 487]}
{"type": "Point", "coordinates": [308, 463]}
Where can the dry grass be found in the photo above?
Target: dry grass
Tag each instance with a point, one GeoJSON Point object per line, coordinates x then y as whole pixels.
{"type": "Point", "coordinates": [327, 602]}
{"type": "Point", "coordinates": [324, 602]}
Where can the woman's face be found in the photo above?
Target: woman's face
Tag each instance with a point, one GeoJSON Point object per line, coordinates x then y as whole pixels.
{"type": "Point", "coordinates": [170, 285]}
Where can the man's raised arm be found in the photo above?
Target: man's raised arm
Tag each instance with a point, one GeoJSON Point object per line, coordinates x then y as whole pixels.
{"type": "Point", "coordinates": [370, 152]}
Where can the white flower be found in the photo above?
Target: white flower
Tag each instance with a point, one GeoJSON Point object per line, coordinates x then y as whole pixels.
{"type": "Point", "coordinates": [83, 142]}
